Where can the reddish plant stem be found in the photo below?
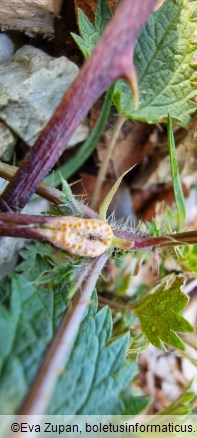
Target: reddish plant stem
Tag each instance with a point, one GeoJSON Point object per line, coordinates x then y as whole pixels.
{"type": "Point", "coordinates": [145, 242]}
{"type": "Point", "coordinates": [111, 59]}
{"type": "Point", "coordinates": [27, 226]}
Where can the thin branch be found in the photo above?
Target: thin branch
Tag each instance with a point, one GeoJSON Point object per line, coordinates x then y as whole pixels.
{"type": "Point", "coordinates": [45, 190]}
{"type": "Point", "coordinates": [115, 304]}
{"type": "Point", "coordinates": [105, 164]}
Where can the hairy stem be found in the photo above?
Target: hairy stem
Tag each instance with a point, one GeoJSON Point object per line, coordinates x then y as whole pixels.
{"type": "Point", "coordinates": [28, 226]}
{"type": "Point", "coordinates": [105, 164]}
{"type": "Point", "coordinates": [111, 59]}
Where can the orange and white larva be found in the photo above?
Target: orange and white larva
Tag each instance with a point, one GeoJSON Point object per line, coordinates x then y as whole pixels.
{"type": "Point", "coordinates": [78, 236]}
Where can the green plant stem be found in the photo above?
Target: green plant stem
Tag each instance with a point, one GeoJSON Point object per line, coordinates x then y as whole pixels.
{"type": "Point", "coordinates": [115, 304]}
{"type": "Point", "coordinates": [177, 187]}
{"type": "Point", "coordinates": [58, 353]}
{"type": "Point", "coordinates": [69, 168]}
{"type": "Point", "coordinates": [103, 169]}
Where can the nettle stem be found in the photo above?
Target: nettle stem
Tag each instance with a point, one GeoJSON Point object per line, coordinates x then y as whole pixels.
{"type": "Point", "coordinates": [111, 59]}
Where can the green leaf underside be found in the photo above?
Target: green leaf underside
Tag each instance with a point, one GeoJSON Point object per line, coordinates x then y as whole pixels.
{"type": "Point", "coordinates": [160, 317]}
{"type": "Point", "coordinates": [162, 58]}
{"type": "Point", "coordinates": [97, 373]}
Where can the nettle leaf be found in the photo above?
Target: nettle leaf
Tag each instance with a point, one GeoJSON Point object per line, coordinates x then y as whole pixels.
{"type": "Point", "coordinates": [97, 373]}
{"type": "Point", "coordinates": [27, 325]}
{"type": "Point", "coordinates": [28, 320]}
{"type": "Point", "coordinates": [34, 260]}
{"type": "Point", "coordinates": [96, 377]}
{"type": "Point", "coordinates": [90, 34]}
{"type": "Point", "coordinates": [163, 58]}
{"type": "Point", "coordinates": [159, 314]}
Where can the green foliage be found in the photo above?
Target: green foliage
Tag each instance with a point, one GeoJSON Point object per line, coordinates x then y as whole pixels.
{"type": "Point", "coordinates": [100, 368]}
{"type": "Point", "coordinates": [90, 34]}
{"type": "Point", "coordinates": [96, 386]}
{"type": "Point", "coordinates": [134, 405]}
{"type": "Point", "coordinates": [159, 314]}
{"type": "Point", "coordinates": [178, 192]}
{"type": "Point", "coordinates": [29, 321]}
{"type": "Point", "coordinates": [27, 326]}
{"type": "Point", "coordinates": [163, 61]}
{"type": "Point", "coordinates": [162, 58]}
{"type": "Point", "coordinates": [189, 259]}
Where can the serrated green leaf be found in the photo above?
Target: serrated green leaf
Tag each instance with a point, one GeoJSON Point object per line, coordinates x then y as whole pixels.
{"type": "Point", "coordinates": [97, 385]}
{"type": "Point", "coordinates": [35, 260]}
{"type": "Point", "coordinates": [159, 314]}
{"type": "Point", "coordinates": [28, 323]}
{"type": "Point", "coordinates": [102, 16]}
{"type": "Point", "coordinates": [96, 373]}
{"type": "Point", "coordinates": [34, 317]}
{"type": "Point", "coordinates": [90, 34]}
{"type": "Point", "coordinates": [162, 58]}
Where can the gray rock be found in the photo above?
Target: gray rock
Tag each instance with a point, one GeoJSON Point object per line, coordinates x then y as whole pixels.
{"type": "Point", "coordinates": [31, 87]}
{"type": "Point", "coordinates": [7, 142]}
{"type": "Point", "coordinates": [6, 48]}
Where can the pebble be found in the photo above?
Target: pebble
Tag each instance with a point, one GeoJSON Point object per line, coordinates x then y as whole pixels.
{"type": "Point", "coordinates": [6, 48]}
